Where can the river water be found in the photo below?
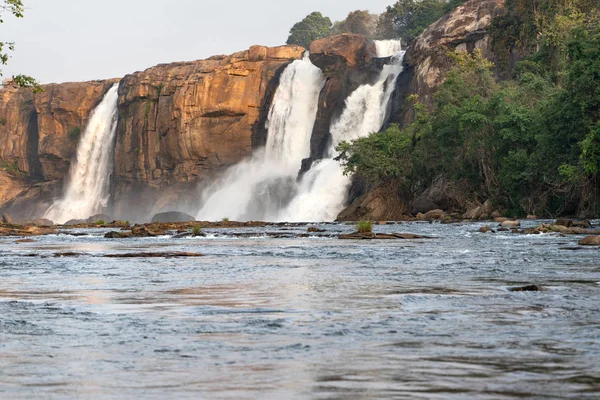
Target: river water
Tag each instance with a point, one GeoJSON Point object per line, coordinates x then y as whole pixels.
{"type": "Point", "coordinates": [306, 318]}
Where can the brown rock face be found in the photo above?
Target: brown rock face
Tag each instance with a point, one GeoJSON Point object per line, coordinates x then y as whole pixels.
{"type": "Point", "coordinates": [426, 64]}
{"type": "Point", "coordinates": [355, 50]}
{"type": "Point", "coordinates": [381, 204]}
{"type": "Point", "coordinates": [465, 28]}
{"type": "Point", "coordinates": [347, 62]}
{"type": "Point", "coordinates": [63, 111]}
{"type": "Point", "coordinates": [179, 123]}
{"type": "Point", "coordinates": [17, 114]}
{"type": "Point", "coordinates": [38, 138]}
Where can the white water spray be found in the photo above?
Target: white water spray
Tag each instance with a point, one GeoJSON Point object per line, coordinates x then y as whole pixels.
{"type": "Point", "coordinates": [388, 48]}
{"type": "Point", "coordinates": [87, 189]}
{"type": "Point", "coordinates": [257, 188]}
{"type": "Point", "coordinates": [324, 188]}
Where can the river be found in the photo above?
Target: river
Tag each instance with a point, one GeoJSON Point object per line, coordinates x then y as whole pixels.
{"type": "Point", "coordinates": [301, 317]}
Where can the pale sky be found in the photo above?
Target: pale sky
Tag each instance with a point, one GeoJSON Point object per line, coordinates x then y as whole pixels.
{"type": "Point", "coordinates": [75, 40]}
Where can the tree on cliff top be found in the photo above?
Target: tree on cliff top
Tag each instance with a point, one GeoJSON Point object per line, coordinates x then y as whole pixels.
{"type": "Point", "coordinates": [16, 8]}
{"type": "Point", "coordinates": [409, 18]}
{"type": "Point", "coordinates": [360, 22]}
{"type": "Point", "coordinates": [313, 27]}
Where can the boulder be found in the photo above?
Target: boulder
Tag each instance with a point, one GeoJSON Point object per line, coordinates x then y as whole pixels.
{"type": "Point", "coordinates": [582, 224]}
{"type": "Point", "coordinates": [117, 235]}
{"type": "Point", "coordinates": [75, 222]}
{"type": "Point", "coordinates": [422, 205]}
{"type": "Point", "coordinates": [43, 222]}
{"type": "Point", "coordinates": [564, 222]}
{"type": "Point", "coordinates": [511, 224]}
{"type": "Point", "coordinates": [440, 195]}
{"type": "Point", "coordinates": [99, 217]}
{"type": "Point", "coordinates": [501, 219]}
{"type": "Point", "coordinates": [473, 213]}
{"type": "Point", "coordinates": [496, 214]}
{"type": "Point", "coordinates": [486, 229]}
{"type": "Point", "coordinates": [528, 288]}
{"type": "Point", "coordinates": [590, 241]}
{"type": "Point", "coordinates": [6, 219]}
{"type": "Point", "coordinates": [434, 214]}
{"type": "Point", "coordinates": [173, 216]}
{"type": "Point", "coordinates": [355, 49]}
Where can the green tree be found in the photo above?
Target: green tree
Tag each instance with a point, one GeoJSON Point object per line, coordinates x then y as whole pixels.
{"type": "Point", "coordinates": [16, 8]}
{"type": "Point", "coordinates": [313, 27]}
{"type": "Point", "coordinates": [409, 18]}
{"type": "Point", "coordinates": [359, 22]}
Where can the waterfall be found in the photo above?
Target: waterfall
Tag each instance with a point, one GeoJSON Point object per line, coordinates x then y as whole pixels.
{"type": "Point", "coordinates": [388, 48]}
{"type": "Point", "coordinates": [323, 190]}
{"type": "Point", "coordinates": [87, 189]}
{"type": "Point", "coordinates": [256, 189]}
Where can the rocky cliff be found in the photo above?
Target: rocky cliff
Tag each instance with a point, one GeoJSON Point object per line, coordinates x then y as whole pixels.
{"type": "Point", "coordinates": [347, 62]}
{"type": "Point", "coordinates": [426, 64]}
{"type": "Point", "coordinates": [180, 124]}
{"type": "Point", "coordinates": [39, 133]}
{"type": "Point", "coordinates": [426, 61]}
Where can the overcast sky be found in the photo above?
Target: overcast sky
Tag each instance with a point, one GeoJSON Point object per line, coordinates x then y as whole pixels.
{"type": "Point", "coordinates": [74, 40]}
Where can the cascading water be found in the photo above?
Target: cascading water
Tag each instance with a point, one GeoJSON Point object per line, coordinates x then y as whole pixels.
{"type": "Point", "coordinates": [86, 193]}
{"type": "Point", "coordinates": [256, 189]}
{"type": "Point", "coordinates": [388, 48]}
{"type": "Point", "coordinates": [323, 189]}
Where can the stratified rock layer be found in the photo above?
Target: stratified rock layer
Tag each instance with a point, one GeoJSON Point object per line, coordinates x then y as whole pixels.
{"type": "Point", "coordinates": [182, 123]}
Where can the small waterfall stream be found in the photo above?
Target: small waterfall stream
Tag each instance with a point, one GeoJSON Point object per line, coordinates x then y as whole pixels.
{"type": "Point", "coordinates": [323, 190]}
{"type": "Point", "coordinates": [87, 189]}
{"type": "Point", "coordinates": [256, 189]}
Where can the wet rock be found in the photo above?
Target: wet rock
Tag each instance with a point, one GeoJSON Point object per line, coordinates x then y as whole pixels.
{"type": "Point", "coordinates": [68, 254]}
{"type": "Point", "coordinates": [511, 224]}
{"type": "Point", "coordinates": [99, 217]}
{"type": "Point", "coordinates": [434, 215]}
{"type": "Point", "coordinates": [590, 241]}
{"type": "Point", "coordinates": [173, 216]}
{"type": "Point", "coordinates": [147, 231]}
{"type": "Point", "coordinates": [486, 229]}
{"type": "Point", "coordinates": [582, 224]}
{"type": "Point", "coordinates": [73, 222]}
{"type": "Point", "coordinates": [118, 235]}
{"type": "Point", "coordinates": [473, 213]}
{"type": "Point", "coordinates": [568, 231]}
{"type": "Point", "coordinates": [528, 288]}
{"type": "Point", "coordinates": [381, 236]}
{"type": "Point", "coordinates": [312, 229]}
{"type": "Point", "coordinates": [564, 222]}
{"type": "Point", "coordinates": [43, 222]}
{"type": "Point", "coordinates": [183, 235]}
{"type": "Point", "coordinates": [502, 230]}
{"type": "Point", "coordinates": [172, 254]}
{"type": "Point", "coordinates": [6, 219]}
{"type": "Point", "coordinates": [25, 241]}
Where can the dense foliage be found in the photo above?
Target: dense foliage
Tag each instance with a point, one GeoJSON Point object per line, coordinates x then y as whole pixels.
{"type": "Point", "coordinates": [313, 27]}
{"type": "Point", "coordinates": [409, 18]}
{"type": "Point", "coordinates": [404, 19]}
{"type": "Point", "coordinates": [531, 143]}
{"type": "Point", "coordinates": [16, 8]}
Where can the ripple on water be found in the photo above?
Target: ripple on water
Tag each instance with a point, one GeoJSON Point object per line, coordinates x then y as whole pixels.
{"type": "Point", "coordinates": [263, 317]}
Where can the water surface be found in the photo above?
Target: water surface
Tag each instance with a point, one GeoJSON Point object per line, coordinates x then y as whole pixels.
{"type": "Point", "coordinates": [306, 318]}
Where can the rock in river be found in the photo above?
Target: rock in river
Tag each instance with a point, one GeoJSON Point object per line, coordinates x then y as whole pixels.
{"type": "Point", "coordinates": [590, 241]}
